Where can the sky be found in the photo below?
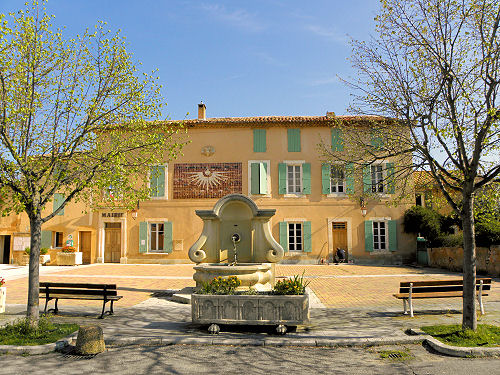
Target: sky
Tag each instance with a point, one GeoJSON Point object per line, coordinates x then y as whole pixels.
{"type": "Point", "coordinates": [242, 58]}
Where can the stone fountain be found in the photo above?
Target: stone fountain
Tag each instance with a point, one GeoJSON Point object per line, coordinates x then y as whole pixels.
{"type": "Point", "coordinates": [236, 241]}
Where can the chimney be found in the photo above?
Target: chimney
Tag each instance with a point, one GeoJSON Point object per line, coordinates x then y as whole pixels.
{"type": "Point", "coordinates": [330, 114]}
{"type": "Point", "coordinates": [202, 111]}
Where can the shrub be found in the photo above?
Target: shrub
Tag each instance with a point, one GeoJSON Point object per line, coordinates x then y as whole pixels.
{"type": "Point", "coordinates": [220, 285]}
{"type": "Point", "coordinates": [423, 221]}
{"type": "Point", "coordinates": [68, 249]}
{"type": "Point", "coordinates": [488, 233]}
{"type": "Point", "coordinates": [449, 240]}
{"type": "Point", "coordinates": [27, 250]}
{"type": "Point", "coordinates": [44, 250]}
{"type": "Point", "coordinates": [294, 286]}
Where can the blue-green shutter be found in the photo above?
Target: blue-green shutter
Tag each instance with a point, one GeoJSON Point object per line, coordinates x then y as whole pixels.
{"type": "Point", "coordinates": [143, 237]}
{"type": "Point", "coordinates": [153, 181]}
{"type": "Point", "coordinates": [293, 140]}
{"type": "Point", "coordinates": [369, 235]}
{"type": "Point", "coordinates": [306, 178]}
{"type": "Point", "coordinates": [259, 140]}
{"type": "Point", "coordinates": [282, 178]}
{"type": "Point", "coordinates": [254, 178]}
{"type": "Point", "coordinates": [58, 201]}
{"type": "Point", "coordinates": [46, 240]}
{"type": "Point", "coordinates": [161, 181]}
{"type": "Point", "coordinates": [263, 178]}
{"type": "Point", "coordinates": [376, 141]}
{"type": "Point", "coordinates": [167, 236]}
{"type": "Point", "coordinates": [284, 235]}
{"type": "Point", "coordinates": [306, 226]}
{"type": "Point", "coordinates": [393, 235]}
{"type": "Point", "coordinates": [367, 179]}
{"type": "Point", "coordinates": [325, 178]}
{"type": "Point", "coordinates": [349, 178]}
{"type": "Point", "coordinates": [337, 140]}
{"type": "Point", "coordinates": [391, 180]}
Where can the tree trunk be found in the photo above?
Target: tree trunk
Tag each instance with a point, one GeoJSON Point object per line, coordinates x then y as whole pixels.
{"type": "Point", "coordinates": [32, 311]}
{"type": "Point", "coordinates": [469, 319]}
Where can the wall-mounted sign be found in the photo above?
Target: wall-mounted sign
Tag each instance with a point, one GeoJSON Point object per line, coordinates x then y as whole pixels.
{"type": "Point", "coordinates": [112, 214]}
{"type": "Point", "coordinates": [21, 243]}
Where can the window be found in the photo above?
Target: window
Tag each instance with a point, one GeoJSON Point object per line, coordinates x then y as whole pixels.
{"type": "Point", "coordinates": [377, 175]}
{"type": "Point", "coordinates": [156, 236]}
{"type": "Point", "coordinates": [379, 235]}
{"type": "Point", "coordinates": [337, 179]}
{"type": "Point", "coordinates": [294, 179]}
{"type": "Point", "coordinates": [58, 201]}
{"type": "Point", "coordinates": [418, 199]}
{"type": "Point", "coordinates": [58, 239]}
{"type": "Point", "coordinates": [295, 237]}
{"type": "Point", "coordinates": [157, 181]}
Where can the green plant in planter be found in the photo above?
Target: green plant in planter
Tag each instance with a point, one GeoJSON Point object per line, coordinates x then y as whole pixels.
{"type": "Point", "coordinates": [220, 285]}
{"type": "Point", "coordinates": [68, 249]}
{"type": "Point", "coordinates": [44, 251]}
{"type": "Point", "coordinates": [294, 286]}
{"type": "Point", "coordinates": [27, 250]}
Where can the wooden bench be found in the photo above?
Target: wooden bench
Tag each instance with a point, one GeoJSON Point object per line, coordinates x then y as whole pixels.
{"type": "Point", "coordinates": [105, 292]}
{"type": "Point", "coordinates": [410, 290]}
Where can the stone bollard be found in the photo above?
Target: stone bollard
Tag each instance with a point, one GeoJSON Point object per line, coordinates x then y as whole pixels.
{"type": "Point", "coordinates": [90, 340]}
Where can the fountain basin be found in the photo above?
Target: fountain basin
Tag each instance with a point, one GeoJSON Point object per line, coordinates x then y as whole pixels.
{"type": "Point", "coordinates": [258, 276]}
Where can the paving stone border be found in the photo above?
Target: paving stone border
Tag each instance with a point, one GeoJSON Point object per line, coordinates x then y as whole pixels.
{"type": "Point", "coordinates": [38, 349]}
{"type": "Point", "coordinates": [456, 351]}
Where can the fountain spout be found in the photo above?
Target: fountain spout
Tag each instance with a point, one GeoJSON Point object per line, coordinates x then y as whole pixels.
{"type": "Point", "coordinates": [235, 238]}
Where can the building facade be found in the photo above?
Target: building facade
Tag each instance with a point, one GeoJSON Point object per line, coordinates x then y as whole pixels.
{"type": "Point", "coordinates": [273, 160]}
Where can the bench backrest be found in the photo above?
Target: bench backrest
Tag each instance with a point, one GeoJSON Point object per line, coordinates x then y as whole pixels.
{"type": "Point", "coordinates": [441, 286]}
{"type": "Point", "coordinates": [51, 289]}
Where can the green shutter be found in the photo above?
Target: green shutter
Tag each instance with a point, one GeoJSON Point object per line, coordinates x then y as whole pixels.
{"type": "Point", "coordinates": [167, 236]}
{"type": "Point", "coordinates": [161, 181]}
{"type": "Point", "coordinates": [293, 140]}
{"type": "Point", "coordinates": [337, 140]}
{"type": "Point", "coordinates": [325, 178]}
{"type": "Point", "coordinates": [263, 178]}
{"type": "Point", "coordinates": [376, 141]}
{"type": "Point", "coordinates": [393, 236]}
{"type": "Point", "coordinates": [58, 201]}
{"type": "Point", "coordinates": [282, 178]}
{"type": "Point", "coordinates": [391, 181]}
{"type": "Point", "coordinates": [284, 235]}
{"type": "Point", "coordinates": [367, 179]}
{"type": "Point", "coordinates": [306, 226]}
{"type": "Point", "coordinates": [143, 237]}
{"type": "Point", "coordinates": [306, 178]}
{"type": "Point", "coordinates": [349, 178]}
{"type": "Point", "coordinates": [153, 181]}
{"type": "Point", "coordinates": [46, 240]}
{"type": "Point", "coordinates": [254, 178]}
{"type": "Point", "coordinates": [259, 140]}
{"type": "Point", "coordinates": [369, 235]}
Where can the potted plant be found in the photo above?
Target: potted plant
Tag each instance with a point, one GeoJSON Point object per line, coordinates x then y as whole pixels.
{"type": "Point", "coordinates": [218, 302]}
{"type": "Point", "coordinates": [44, 255]}
{"type": "Point", "coordinates": [68, 256]}
{"type": "Point", "coordinates": [25, 258]}
{"type": "Point", "coordinates": [3, 295]}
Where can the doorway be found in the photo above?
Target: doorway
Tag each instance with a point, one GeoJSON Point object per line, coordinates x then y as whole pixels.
{"type": "Point", "coordinates": [5, 249]}
{"type": "Point", "coordinates": [339, 237]}
{"type": "Point", "coordinates": [85, 246]}
{"type": "Point", "coordinates": [112, 242]}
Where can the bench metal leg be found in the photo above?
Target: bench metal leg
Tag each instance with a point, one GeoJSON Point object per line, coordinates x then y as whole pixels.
{"type": "Point", "coordinates": [480, 297]}
{"type": "Point", "coordinates": [46, 303]}
{"type": "Point", "coordinates": [410, 300]}
{"type": "Point", "coordinates": [103, 307]}
{"type": "Point", "coordinates": [405, 310]}
{"type": "Point", "coordinates": [111, 308]}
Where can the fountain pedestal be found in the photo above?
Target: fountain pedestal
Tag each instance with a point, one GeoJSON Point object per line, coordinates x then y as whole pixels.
{"type": "Point", "coordinates": [258, 276]}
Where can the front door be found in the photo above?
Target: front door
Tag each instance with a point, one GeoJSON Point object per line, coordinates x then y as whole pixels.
{"type": "Point", "coordinates": [339, 231]}
{"type": "Point", "coordinates": [112, 242]}
{"type": "Point", "coordinates": [85, 246]}
{"type": "Point", "coordinates": [4, 249]}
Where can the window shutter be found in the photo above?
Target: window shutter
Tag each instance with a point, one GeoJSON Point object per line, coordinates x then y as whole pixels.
{"type": "Point", "coordinates": [282, 178]}
{"type": "Point", "coordinates": [391, 181]}
{"type": "Point", "coordinates": [337, 140]}
{"type": "Point", "coordinates": [153, 181]}
{"type": "Point", "coordinates": [284, 235]}
{"type": "Point", "coordinates": [167, 236]}
{"type": "Point", "coordinates": [368, 235]}
{"type": "Point", "coordinates": [263, 178]}
{"type": "Point", "coordinates": [376, 141]}
{"type": "Point", "coordinates": [306, 178]}
{"type": "Point", "coordinates": [293, 140]}
{"type": "Point", "coordinates": [254, 178]}
{"type": "Point", "coordinates": [259, 140]}
{"type": "Point", "coordinates": [143, 237]}
{"type": "Point", "coordinates": [367, 179]}
{"type": "Point", "coordinates": [58, 201]}
{"type": "Point", "coordinates": [325, 178]}
{"type": "Point", "coordinates": [46, 240]}
{"type": "Point", "coordinates": [307, 236]}
{"type": "Point", "coordinates": [161, 181]}
{"type": "Point", "coordinates": [393, 235]}
{"type": "Point", "coordinates": [349, 178]}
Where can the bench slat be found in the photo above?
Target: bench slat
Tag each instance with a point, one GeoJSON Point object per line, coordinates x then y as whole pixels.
{"type": "Point", "coordinates": [77, 285]}
{"type": "Point", "coordinates": [444, 288]}
{"type": "Point", "coordinates": [431, 295]}
{"type": "Point", "coordinates": [94, 292]}
{"type": "Point", "coordinates": [88, 297]}
{"type": "Point", "coordinates": [441, 282]}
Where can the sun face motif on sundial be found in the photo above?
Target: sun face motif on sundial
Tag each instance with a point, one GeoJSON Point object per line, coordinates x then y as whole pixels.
{"type": "Point", "coordinates": [208, 150]}
{"type": "Point", "coordinates": [208, 179]}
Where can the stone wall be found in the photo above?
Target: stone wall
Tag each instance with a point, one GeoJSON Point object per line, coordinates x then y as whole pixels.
{"type": "Point", "coordinates": [451, 258]}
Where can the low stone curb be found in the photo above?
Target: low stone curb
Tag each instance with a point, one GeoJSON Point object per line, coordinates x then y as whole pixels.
{"type": "Point", "coordinates": [38, 349]}
{"type": "Point", "coordinates": [456, 351]}
{"type": "Point", "coordinates": [274, 341]}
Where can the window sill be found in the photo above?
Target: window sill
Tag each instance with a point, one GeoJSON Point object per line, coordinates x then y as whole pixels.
{"type": "Point", "coordinates": [337, 195]}
{"type": "Point", "coordinates": [158, 198]}
{"type": "Point", "coordinates": [296, 195]}
{"type": "Point", "coordinates": [155, 253]}
{"type": "Point", "coordinates": [260, 195]}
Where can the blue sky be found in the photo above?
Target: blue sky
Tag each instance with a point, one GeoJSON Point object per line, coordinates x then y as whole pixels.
{"type": "Point", "coordinates": [242, 58]}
